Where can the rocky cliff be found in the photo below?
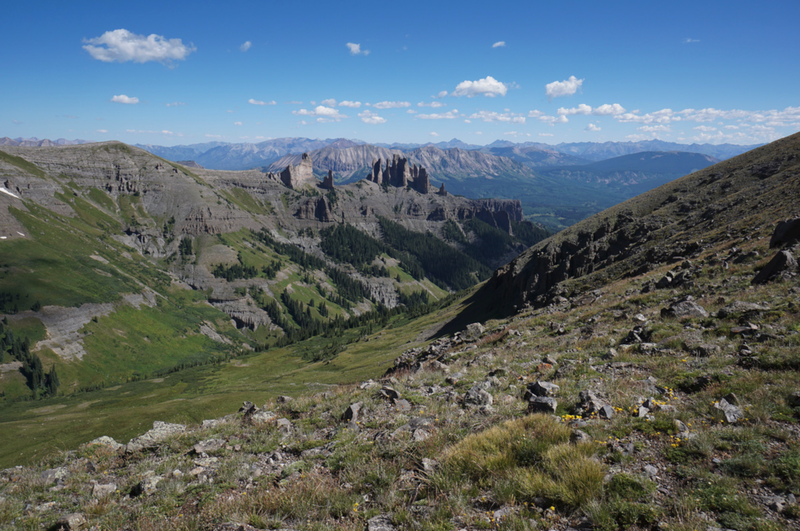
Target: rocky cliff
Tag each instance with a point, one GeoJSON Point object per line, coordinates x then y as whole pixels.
{"type": "Point", "coordinates": [669, 224]}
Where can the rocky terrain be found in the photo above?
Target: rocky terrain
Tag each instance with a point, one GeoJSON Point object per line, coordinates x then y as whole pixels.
{"type": "Point", "coordinates": [639, 371]}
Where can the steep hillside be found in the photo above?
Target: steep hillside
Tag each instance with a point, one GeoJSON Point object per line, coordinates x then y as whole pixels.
{"type": "Point", "coordinates": [254, 260]}
{"type": "Point", "coordinates": [680, 219]}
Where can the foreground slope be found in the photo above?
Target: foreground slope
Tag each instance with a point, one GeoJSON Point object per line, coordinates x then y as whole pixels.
{"type": "Point", "coordinates": [646, 392]}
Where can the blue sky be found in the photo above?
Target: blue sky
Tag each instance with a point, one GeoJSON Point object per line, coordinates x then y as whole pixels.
{"type": "Point", "coordinates": [191, 72]}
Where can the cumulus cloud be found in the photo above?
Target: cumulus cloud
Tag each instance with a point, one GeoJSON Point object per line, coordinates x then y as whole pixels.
{"type": "Point", "coordinates": [441, 94]}
{"type": "Point", "coordinates": [237, 123]}
{"type": "Point", "coordinates": [592, 127]}
{"type": "Point", "coordinates": [606, 109]}
{"type": "Point", "coordinates": [546, 134]}
{"type": "Point", "coordinates": [252, 101]}
{"type": "Point", "coordinates": [122, 98]}
{"type": "Point", "coordinates": [580, 109]}
{"type": "Point", "coordinates": [552, 120]}
{"type": "Point", "coordinates": [664, 116]}
{"type": "Point", "coordinates": [411, 111]}
{"type": "Point", "coordinates": [103, 131]}
{"type": "Point", "coordinates": [330, 102]}
{"type": "Point", "coordinates": [323, 114]}
{"type": "Point", "coordinates": [535, 113]}
{"type": "Point", "coordinates": [655, 129]}
{"type": "Point", "coordinates": [175, 104]}
{"type": "Point", "coordinates": [433, 104]}
{"type": "Point", "coordinates": [369, 117]}
{"type": "Point", "coordinates": [499, 44]}
{"type": "Point", "coordinates": [355, 49]}
{"type": "Point", "coordinates": [391, 104]}
{"type": "Point", "coordinates": [351, 104]}
{"type": "Point", "coordinates": [487, 86]}
{"type": "Point", "coordinates": [245, 46]}
{"type": "Point", "coordinates": [449, 115]}
{"type": "Point", "coordinates": [491, 116]}
{"type": "Point", "coordinates": [121, 46]}
{"type": "Point", "coordinates": [434, 133]}
{"type": "Point", "coordinates": [704, 128]}
{"type": "Point", "coordinates": [568, 87]}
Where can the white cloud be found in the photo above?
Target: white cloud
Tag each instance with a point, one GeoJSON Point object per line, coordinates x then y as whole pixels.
{"type": "Point", "coordinates": [391, 104]}
{"type": "Point", "coordinates": [434, 134]}
{"type": "Point", "coordinates": [237, 123]}
{"type": "Point", "coordinates": [330, 102]}
{"type": "Point", "coordinates": [323, 114]}
{"type": "Point", "coordinates": [252, 101]}
{"type": "Point", "coordinates": [580, 109]}
{"type": "Point", "coordinates": [592, 127]}
{"type": "Point", "coordinates": [499, 44]}
{"type": "Point", "coordinates": [122, 98]}
{"type": "Point", "coordinates": [606, 109]}
{"type": "Point", "coordinates": [441, 94]}
{"type": "Point", "coordinates": [411, 111]}
{"type": "Point", "coordinates": [121, 46]}
{"type": "Point", "coordinates": [175, 104]}
{"type": "Point", "coordinates": [487, 86]}
{"type": "Point", "coordinates": [664, 116]}
{"type": "Point", "coordinates": [552, 120]}
{"type": "Point", "coordinates": [568, 87]}
{"type": "Point", "coordinates": [467, 121]}
{"type": "Point", "coordinates": [546, 134]}
{"type": "Point", "coordinates": [213, 136]}
{"type": "Point", "coordinates": [478, 133]}
{"type": "Point", "coordinates": [534, 114]}
{"type": "Point", "coordinates": [369, 117]}
{"type": "Point", "coordinates": [352, 104]}
{"type": "Point", "coordinates": [294, 103]}
{"type": "Point", "coordinates": [689, 40]}
{"type": "Point", "coordinates": [102, 131]}
{"type": "Point", "coordinates": [704, 128]}
{"type": "Point", "coordinates": [165, 132]}
{"type": "Point", "coordinates": [655, 128]}
{"type": "Point", "coordinates": [433, 104]}
{"type": "Point", "coordinates": [491, 116]}
{"type": "Point", "coordinates": [355, 49]}
{"type": "Point", "coordinates": [449, 115]}
{"type": "Point", "coordinates": [17, 122]}
{"type": "Point", "coordinates": [245, 46]}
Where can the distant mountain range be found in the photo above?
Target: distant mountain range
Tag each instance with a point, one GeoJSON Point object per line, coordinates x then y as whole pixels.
{"type": "Point", "coordinates": [35, 142]}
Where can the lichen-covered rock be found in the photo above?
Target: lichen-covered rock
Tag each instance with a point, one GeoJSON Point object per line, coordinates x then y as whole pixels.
{"type": "Point", "coordinates": [160, 431]}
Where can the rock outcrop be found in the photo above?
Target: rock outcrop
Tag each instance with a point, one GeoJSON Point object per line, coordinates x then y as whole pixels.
{"type": "Point", "coordinates": [327, 183]}
{"type": "Point", "coordinates": [399, 172]}
{"type": "Point", "coordinates": [297, 176]}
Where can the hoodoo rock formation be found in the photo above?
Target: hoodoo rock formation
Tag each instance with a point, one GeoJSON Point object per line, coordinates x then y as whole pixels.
{"type": "Point", "coordinates": [296, 176]}
{"type": "Point", "coordinates": [399, 173]}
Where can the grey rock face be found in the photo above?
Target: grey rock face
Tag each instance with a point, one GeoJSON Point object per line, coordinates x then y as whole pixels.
{"type": "Point", "coordinates": [786, 233]}
{"type": "Point", "coordinates": [732, 413]}
{"type": "Point", "coordinates": [781, 264]}
{"type": "Point", "coordinates": [478, 396]}
{"type": "Point", "coordinates": [296, 176]}
{"type": "Point", "coordinates": [351, 413]}
{"type": "Point", "coordinates": [160, 431]}
{"type": "Point", "coordinates": [542, 389]}
{"type": "Point", "coordinates": [542, 404]}
{"type": "Point", "coordinates": [685, 308]}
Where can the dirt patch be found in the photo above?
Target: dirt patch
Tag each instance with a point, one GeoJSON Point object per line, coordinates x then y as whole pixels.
{"type": "Point", "coordinates": [84, 405]}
